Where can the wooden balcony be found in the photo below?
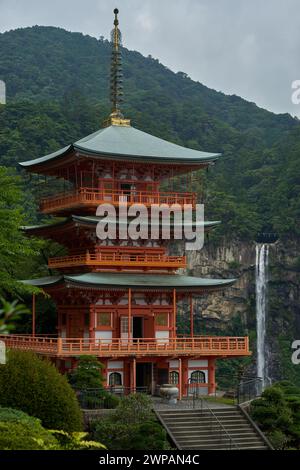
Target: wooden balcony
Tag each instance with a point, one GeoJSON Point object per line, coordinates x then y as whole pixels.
{"type": "Point", "coordinates": [92, 197]}
{"type": "Point", "coordinates": [118, 261]}
{"type": "Point", "coordinates": [218, 346]}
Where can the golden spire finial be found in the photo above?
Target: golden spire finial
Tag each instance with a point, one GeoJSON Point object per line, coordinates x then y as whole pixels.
{"type": "Point", "coordinates": [116, 78]}
{"type": "Point", "coordinates": [116, 33]}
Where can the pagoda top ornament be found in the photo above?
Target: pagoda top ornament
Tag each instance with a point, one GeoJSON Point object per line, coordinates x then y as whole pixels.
{"type": "Point", "coordinates": [116, 117]}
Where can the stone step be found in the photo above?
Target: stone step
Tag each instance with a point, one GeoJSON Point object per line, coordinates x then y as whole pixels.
{"type": "Point", "coordinates": [183, 410]}
{"type": "Point", "coordinates": [218, 447]}
{"type": "Point", "coordinates": [188, 410]}
{"type": "Point", "coordinates": [224, 439]}
{"type": "Point", "coordinates": [205, 432]}
{"type": "Point", "coordinates": [209, 428]}
{"type": "Point", "coordinates": [198, 412]}
{"type": "Point", "coordinates": [207, 420]}
{"type": "Point", "coordinates": [194, 429]}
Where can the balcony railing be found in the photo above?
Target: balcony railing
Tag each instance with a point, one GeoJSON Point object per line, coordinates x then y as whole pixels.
{"type": "Point", "coordinates": [93, 197]}
{"type": "Point", "coordinates": [119, 260]}
{"type": "Point", "coordinates": [199, 345]}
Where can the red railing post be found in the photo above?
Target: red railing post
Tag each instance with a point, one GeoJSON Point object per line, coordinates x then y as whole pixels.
{"type": "Point", "coordinates": [59, 345]}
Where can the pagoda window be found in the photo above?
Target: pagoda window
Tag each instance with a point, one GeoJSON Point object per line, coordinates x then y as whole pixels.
{"type": "Point", "coordinates": [126, 188]}
{"type": "Point", "coordinates": [174, 377]}
{"type": "Point", "coordinates": [63, 319]}
{"type": "Point", "coordinates": [124, 325]}
{"type": "Point", "coordinates": [198, 377]}
{"type": "Point", "coordinates": [103, 319]}
{"type": "Point", "coordinates": [115, 378]}
{"type": "Point", "coordinates": [162, 319]}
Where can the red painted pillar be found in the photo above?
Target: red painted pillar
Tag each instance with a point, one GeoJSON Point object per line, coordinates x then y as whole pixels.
{"type": "Point", "coordinates": [92, 323]}
{"type": "Point", "coordinates": [211, 376]}
{"type": "Point", "coordinates": [134, 375]}
{"type": "Point", "coordinates": [180, 378]}
{"type": "Point", "coordinates": [129, 315]}
{"type": "Point", "coordinates": [174, 313]}
{"type": "Point", "coordinates": [184, 377]}
{"type": "Point", "coordinates": [191, 316]}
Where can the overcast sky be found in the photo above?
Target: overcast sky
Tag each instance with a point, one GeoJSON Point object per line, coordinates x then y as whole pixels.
{"type": "Point", "coordinates": [249, 48]}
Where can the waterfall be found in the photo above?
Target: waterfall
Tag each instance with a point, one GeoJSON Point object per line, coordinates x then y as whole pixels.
{"type": "Point", "coordinates": [261, 280]}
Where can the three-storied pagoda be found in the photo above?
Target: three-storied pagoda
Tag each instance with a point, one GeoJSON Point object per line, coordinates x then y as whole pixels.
{"type": "Point", "coordinates": [118, 299]}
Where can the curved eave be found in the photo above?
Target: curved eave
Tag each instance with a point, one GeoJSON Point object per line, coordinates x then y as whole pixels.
{"type": "Point", "coordinates": [37, 162]}
{"type": "Point", "coordinates": [135, 281]}
{"type": "Point", "coordinates": [44, 281]}
{"type": "Point", "coordinates": [171, 160]}
{"type": "Point", "coordinates": [40, 229]}
{"type": "Point", "coordinates": [92, 221]}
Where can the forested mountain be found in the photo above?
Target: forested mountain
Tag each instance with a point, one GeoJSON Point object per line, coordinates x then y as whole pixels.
{"type": "Point", "coordinates": [57, 89]}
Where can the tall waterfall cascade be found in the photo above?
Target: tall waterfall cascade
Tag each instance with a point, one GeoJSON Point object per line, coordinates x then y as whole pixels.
{"type": "Point", "coordinates": [261, 283]}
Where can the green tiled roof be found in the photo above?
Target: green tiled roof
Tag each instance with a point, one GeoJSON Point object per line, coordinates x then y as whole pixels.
{"type": "Point", "coordinates": [137, 281]}
{"type": "Point", "coordinates": [128, 143]}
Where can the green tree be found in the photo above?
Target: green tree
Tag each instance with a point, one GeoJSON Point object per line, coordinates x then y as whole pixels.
{"type": "Point", "coordinates": [87, 374]}
{"type": "Point", "coordinates": [34, 386]}
{"type": "Point", "coordinates": [9, 313]}
{"type": "Point", "coordinates": [277, 412]}
{"type": "Point", "coordinates": [15, 248]}
{"type": "Point", "coordinates": [132, 426]}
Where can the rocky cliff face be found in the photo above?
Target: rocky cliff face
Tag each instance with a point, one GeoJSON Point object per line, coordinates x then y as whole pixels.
{"type": "Point", "coordinates": [233, 312]}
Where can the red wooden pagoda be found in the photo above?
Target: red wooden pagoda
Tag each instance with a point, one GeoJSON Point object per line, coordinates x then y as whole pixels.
{"type": "Point", "coordinates": [117, 299]}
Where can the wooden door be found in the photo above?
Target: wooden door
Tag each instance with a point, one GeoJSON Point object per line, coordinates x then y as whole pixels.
{"type": "Point", "coordinates": [75, 325]}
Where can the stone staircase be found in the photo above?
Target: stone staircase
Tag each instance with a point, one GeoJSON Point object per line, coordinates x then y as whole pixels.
{"type": "Point", "coordinates": [226, 428]}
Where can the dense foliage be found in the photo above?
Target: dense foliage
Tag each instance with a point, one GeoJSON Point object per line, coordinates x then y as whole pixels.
{"type": "Point", "coordinates": [15, 248]}
{"type": "Point", "coordinates": [9, 314]}
{"type": "Point", "coordinates": [76, 441]}
{"type": "Point", "coordinates": [18, 431]}
{"type": "Point", "coordinates": [34, 386]}
{"type": "Point", "coordinates": [277, 413]}
{"type": "Point", "coordinates": [132, 426]}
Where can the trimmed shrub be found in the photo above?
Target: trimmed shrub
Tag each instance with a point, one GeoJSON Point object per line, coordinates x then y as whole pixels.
{"type": "Point", "coordinates": [96, 399]}
{"type": "Point", "coordinates": [132, 426]}
{"type": "Point", "coordinates": [149, 436]}
{"type": "Point", "coordinates": [134, 409]}
{"type": "Point", "coordinates": [87, 374]}
{"type": "Point", "coordinates": [18, 431]}
{"type": "Point", "coordinates": [146, 436]}
{"type": "Point", "coordinates": [34, 386]}
{"type": "Point", "coordinates": [277, 413]}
